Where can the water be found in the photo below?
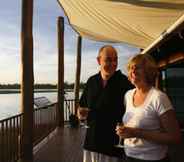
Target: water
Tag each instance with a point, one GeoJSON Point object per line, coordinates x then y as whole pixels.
{"type": "Point", "coordinates": [10, 103]}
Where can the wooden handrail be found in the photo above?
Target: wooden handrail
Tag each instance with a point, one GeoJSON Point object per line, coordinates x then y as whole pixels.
{"type": "Point", "coordinates": [44, 123]}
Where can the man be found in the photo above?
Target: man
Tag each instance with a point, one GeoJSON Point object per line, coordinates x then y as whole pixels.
{"type": "Point", "coordinates": [103, 98]}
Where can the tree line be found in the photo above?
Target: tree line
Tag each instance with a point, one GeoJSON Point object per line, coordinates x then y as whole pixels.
{"type": "Point", "coordinates": [41, 86]}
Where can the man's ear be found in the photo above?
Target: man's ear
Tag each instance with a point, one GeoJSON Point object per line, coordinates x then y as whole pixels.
{"type": "Point", "coordinates": [98, 60]}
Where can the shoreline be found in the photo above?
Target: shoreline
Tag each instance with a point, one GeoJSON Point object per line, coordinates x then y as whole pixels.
{"type": "Point", "coordinates": [12, 91]}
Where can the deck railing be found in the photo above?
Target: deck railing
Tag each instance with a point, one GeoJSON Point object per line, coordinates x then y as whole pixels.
{"type": "Point", "coordinates": [69, 106]}
{"type": "Point", "coordinates": [45, 120]}
{"type": "Point", "coordinates": [10, 141]}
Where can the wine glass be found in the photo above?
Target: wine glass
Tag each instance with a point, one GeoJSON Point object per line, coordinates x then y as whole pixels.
{"type": "Point", "coordinates": [119, 145]}
{"type": "Point", "coordinates": [132, 121]}
{"type": "Point", "coordinates": [83, 113]}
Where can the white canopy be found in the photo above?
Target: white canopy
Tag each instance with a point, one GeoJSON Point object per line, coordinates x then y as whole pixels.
{"type": "Point", "coordinates": [137, 22]}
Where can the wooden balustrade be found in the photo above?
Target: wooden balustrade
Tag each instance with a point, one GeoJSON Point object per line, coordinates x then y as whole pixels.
{"type": "Point", "coordinates": [69, 106]}
{"type": "Point", "coordinates": [10, 141]}
{"type": "Point", "coordinates": [44, 123]}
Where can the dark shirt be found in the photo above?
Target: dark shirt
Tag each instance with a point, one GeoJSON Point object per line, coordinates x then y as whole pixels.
{"type": "Point", "coordinates": [106, 109]}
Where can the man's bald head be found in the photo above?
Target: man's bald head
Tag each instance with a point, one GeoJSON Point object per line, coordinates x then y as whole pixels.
{"type": "Point", "coordinates": [107, 59]}
{"type": "Point", "coordinates": [107, 50]}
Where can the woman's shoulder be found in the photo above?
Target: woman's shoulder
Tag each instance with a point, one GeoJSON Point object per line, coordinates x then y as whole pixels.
{"type": "Point", "coordinates": [161, 97]}
{"type": "Point", "coordinates": [158, 93]}
{"type": "Point", "coordinates": [130, 92]}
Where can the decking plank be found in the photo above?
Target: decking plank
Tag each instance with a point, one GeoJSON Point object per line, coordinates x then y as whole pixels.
{"type": "Point", "coordinates": [65, 146]}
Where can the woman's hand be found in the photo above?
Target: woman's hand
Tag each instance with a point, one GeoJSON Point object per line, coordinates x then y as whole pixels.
{"type": "Point", "coordinates": [127, 132]}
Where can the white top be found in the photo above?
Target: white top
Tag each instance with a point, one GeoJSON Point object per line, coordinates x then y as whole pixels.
{"type": "Point", "coordinates": [145, 116]}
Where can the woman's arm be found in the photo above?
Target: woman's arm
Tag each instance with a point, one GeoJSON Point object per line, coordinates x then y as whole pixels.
{"type": "Point", "coordinates": [170, 133]}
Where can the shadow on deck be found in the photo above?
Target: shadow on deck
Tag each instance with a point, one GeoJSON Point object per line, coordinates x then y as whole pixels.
{"type": "Point", "coordinates": [66, 146]}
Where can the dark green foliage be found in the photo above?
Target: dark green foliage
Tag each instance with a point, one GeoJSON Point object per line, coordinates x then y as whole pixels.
{"type": "Point", "coordinates": [41, 86]}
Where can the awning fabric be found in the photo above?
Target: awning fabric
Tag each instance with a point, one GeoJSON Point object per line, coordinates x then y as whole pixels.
{"type": "Point", "coordinates": [136, 22]}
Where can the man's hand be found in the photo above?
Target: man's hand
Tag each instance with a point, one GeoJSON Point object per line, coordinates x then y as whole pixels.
{"type": "Point", "coordinates": [82, 113]}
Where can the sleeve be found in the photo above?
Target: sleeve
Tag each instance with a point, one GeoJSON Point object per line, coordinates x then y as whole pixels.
{"type": "Point", "coordinates": [164, 104]}
{"type": "Point", "coordinates": [126, 96]}
{"type": "Point", "coordinates": [125, 100]}
{"type": "Point", "coordinates": [83, 99]}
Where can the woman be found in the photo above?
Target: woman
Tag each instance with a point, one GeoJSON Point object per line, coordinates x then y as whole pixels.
{"type": "Point", "coordinates": [149, 121]}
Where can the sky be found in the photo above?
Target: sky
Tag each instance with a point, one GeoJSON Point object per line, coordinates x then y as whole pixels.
{"type": "Point", "coordinates": [45, 56]}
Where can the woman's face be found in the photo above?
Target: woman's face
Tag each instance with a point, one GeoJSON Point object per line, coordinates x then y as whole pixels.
{"type": "Point", "coordinates": [137, 74]}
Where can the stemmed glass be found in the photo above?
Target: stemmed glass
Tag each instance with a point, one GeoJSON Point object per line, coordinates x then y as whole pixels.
{"type": "Point", "coordinates": [83, 113]}
{"type": "Point", "coordinates": [119, 145]}
{"type": "Point", "coordinates": [131, 122]}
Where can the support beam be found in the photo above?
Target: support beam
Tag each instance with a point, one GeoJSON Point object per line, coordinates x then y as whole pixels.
{"type": "Point", "coordinates": [60, 96]}
{"type": "Point", "coordinates": [27, 82]}
{"type": "Point", "coordinates": [171, 59]}
{"type": "Point", "coordinates": [78, 71]}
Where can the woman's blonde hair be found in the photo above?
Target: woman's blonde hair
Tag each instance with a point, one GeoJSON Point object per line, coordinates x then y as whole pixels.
{"type": "Point", "coordinates": [148, 64]}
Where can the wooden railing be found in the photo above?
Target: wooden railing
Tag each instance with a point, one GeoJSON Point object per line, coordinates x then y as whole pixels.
{"type": "Point", "coordinates": [45, 120]}
{"type": "Point", "coordinates": [69, 106]}
{"type": "Point", "coordinates": [10, 141]}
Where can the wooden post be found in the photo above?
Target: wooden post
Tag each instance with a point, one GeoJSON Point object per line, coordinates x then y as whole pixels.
{"type": "Point", "coordinates": [27, 82]}
{"type": "Point", "coordinates": [60, 96]}
{"type": "Point", "coordinates": [78, 71]}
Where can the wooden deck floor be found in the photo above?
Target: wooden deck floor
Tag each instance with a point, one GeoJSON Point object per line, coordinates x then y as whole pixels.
{"type": "Point", "coordinates": [66, 146]}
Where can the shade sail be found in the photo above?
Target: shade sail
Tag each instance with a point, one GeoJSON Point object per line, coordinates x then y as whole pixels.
{"type": "Point", "coordinates": [136, 22]}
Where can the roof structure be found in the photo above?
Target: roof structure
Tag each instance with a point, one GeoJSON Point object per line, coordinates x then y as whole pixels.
{"type": "Point", "coordinates": [141, 23]}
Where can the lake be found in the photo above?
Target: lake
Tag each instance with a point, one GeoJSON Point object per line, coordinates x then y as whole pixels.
{"type": "Point", "coordinates": [10, 103]}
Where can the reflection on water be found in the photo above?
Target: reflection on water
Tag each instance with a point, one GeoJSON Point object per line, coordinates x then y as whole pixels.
{"type": "Point", "coordinates": [10, 103]}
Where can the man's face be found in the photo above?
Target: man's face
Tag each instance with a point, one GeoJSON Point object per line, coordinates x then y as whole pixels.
{"type": "Point", "coordinates": [108, 62]}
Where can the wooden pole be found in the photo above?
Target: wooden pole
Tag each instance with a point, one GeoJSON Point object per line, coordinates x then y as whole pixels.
{"type": "Point", "coordinates": [27, 81]}
{"type": "Point", "coordinates": [78, 71]}
{"type": "Point", "coordinates": [60, 96]}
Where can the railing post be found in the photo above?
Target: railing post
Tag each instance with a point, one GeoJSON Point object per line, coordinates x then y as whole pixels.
{"type": "Point", "coordinates": [27, 80]}
{"type": "Point", "coordinates": [60, 96]}
{"type": "Point", "coordinates": [78, 71]}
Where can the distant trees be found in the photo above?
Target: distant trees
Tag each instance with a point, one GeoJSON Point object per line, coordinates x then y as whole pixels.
{"type": "Point", "coordinates": [45, 86]}
{"type": "Point", "coordinates": [172, 82]}
{"type": "Point", "coordinates": [10, 86]}
{"type": "Point", "coordinates": [41, 86]}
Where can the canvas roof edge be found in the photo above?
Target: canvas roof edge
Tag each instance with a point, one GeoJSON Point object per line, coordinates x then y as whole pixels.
{"type": "Point", "coordinates": [176, 27]}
